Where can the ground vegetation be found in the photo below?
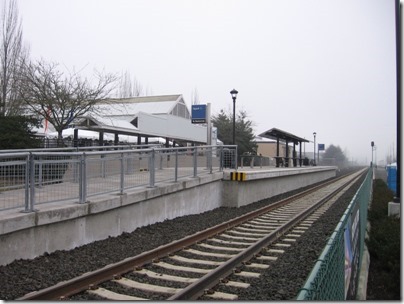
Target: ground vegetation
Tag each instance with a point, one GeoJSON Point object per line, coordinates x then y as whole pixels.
{"type": "Point", "coordinates": [16, 132]}
{"type": "Point", "coordinates": [384, 245]}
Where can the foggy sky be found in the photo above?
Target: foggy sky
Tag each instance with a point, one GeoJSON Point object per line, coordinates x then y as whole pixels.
{"type": "Point", "coordinates": [303, 66]}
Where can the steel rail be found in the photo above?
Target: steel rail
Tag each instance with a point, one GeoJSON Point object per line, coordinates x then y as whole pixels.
{"type": "Point", "coordinates": [211, 279]}
{"type": "Point", "coordinates": [73, 286]}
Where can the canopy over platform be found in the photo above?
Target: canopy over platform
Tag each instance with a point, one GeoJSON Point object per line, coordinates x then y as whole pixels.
{"type": "Point", "coordinates": [164, 116]}
{"type": "Point", "coordinates": [276, 134]}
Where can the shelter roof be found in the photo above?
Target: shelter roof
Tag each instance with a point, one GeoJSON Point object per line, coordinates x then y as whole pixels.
{"type": "Point", "coordinates": [152, 116]}
{"type": "Point", "coordinates": [275, 133]}
{"type": "Point", "coordinates": [109, 125]}
{"type": "Point", "coordinates": [131, 106]}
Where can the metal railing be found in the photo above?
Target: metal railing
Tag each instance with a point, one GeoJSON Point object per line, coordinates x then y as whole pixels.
{"type": "Point", "coordinates": [335, 275]}
{"type": "Point", "coordinates": [39, 176]}
{"type": "Point", "coordinates": [254, 161]}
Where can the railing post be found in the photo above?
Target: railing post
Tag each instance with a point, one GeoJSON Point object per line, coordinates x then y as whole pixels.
{"type": "Point", "coordinates": [28, 207]}
{"type": "Point", "coordinates": [161, 161]}
{"type": "Point", "coordinates": [210, 157]}
{"type": "Point", "coordinates": [103, 174]}
{"type": "Point", "coordinates": [122, 174]}
{"type": "Point", "coordinates": [82, 179]}
{"type": "Point", "coordinates": [27, 179]}
{"type": "Point", "coordinates": [195, 161]}
{"type": "Point", "coordinates": [152, 169]}
{"type": "Point", "coordinates": [31, 184]}
{"type": "Point", "coordinates": [76, 170]}
{"type": "Point", "coordinates": [40, 171]}
{"type": "Point", "coordinates": [176, 166]}
{"type": "Point", "coordinates": [221, 161]}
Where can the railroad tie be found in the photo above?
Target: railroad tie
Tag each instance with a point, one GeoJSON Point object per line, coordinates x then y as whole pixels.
{"type": "Point", "coordinates": [110, 295]}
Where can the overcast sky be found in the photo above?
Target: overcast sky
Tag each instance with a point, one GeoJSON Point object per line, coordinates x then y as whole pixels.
{"type": "Point", "coordinates": [303, 66]}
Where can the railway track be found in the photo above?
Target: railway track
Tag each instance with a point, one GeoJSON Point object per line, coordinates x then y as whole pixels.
{"type": "Point", "coordinates": [212, 264]}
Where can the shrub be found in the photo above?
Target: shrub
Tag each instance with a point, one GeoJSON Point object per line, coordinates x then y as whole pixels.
{"type": "Point", "coordinates": [384, 242]}
{"type": "Point", "coordinates": [15, 132]}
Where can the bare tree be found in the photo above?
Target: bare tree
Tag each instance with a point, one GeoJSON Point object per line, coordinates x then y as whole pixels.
{"type": "Point", "coordinates": [13, 55]}
{"type": "Point", "coordinates": [195, 97]}
{"type": "Point", "coordinates": [59, 99]}
{"type": "Point", "coordinates": [128, 88]}
{"type": "Point", "coordinates": [125, 86]}
{"type": "Point", "coordinates": [137, 88]}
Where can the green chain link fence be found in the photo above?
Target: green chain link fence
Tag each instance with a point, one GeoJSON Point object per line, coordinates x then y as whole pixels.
{"type": "Point", "coordinates": [335, 275]}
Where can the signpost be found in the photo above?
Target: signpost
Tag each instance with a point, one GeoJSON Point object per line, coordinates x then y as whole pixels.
{"type": "Point", "coordinates": [198, 114]}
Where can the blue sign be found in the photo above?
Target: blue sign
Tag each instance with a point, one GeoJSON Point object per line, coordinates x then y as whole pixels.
{"type": "Point", "coordinates": [198, 114]}
{"type": "Point", "coordinates": [321, 147]}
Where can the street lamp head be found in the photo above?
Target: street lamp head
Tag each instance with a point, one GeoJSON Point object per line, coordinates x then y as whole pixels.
{"type": "Point", "coordinates": [234, 93]}
{"type": "Point", "coordinates": [314, 133]}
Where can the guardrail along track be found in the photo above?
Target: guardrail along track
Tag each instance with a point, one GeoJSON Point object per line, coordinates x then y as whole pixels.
{"type": "Point", "coordinates": [200, 265]}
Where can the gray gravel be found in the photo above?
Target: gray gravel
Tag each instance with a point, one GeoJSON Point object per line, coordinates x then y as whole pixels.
{"type": "Point", "coordinates": [281, 283]}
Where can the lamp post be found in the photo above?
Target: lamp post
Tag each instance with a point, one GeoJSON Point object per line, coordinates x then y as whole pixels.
{"type": "Point", "coordinates": [372, 144]}
{"type": "Point", "coordinates": [234, 96]}
{"type": "Point", "coordinates": [314, 133]}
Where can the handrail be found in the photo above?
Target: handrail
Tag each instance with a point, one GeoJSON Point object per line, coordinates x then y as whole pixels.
{"type": "Point", "coordinates": [60, 175]}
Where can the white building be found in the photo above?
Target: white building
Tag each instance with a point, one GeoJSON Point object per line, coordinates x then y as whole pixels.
{"type": "Point", "coordinates": [139, 119]}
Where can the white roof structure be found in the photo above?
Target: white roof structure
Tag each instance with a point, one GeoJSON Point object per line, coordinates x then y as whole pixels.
{"type": "Point", "coordinates": [263, 140]}
{"type": "Point", "coordinates": [152, 116]}
{"type": "Point", "coordinates": [155, 105]}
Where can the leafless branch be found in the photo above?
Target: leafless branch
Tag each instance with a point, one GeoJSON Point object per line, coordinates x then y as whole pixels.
{"type": "Point", "coordinates": [61, 98]}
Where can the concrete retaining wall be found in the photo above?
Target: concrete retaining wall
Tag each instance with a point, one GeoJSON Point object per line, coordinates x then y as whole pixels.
{"type": "Point", "coordinates": [64, 226]}
{"type": "Point", "coordinates": [263, 184]}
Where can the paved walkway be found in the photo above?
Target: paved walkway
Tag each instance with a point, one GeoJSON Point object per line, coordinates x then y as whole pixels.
{"type": "Point", "coordinates": [69, 190]}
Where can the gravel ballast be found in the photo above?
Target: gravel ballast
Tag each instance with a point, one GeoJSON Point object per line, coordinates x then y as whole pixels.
{"type": "Point", "coordinates": [283, 282]}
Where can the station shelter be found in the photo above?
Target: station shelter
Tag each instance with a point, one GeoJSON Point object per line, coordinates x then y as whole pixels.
{"type": "Point", "coordinates": [142, 120]}
{"type": "Point", "coordinates": [281, 136]}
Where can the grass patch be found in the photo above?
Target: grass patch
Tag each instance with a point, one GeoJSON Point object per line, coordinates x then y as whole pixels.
{"type": "Point", "coordinates": [384, 247]}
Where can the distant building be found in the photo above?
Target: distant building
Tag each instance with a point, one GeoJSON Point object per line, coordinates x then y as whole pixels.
{"type": "Point", "coordinates": [139, 119]}
{"type": "Point", "coordinates": [267, 147]}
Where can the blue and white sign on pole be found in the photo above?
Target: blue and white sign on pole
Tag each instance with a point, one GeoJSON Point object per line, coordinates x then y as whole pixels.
{"type": "Point", "coordinates": [321, 147]}
{"type": "Point", "coordinates": [198, 114]}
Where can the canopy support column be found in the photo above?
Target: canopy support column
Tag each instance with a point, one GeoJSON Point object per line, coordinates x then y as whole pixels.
{"type": "Point", "coordinates": [277, 152]}
{"type": "Point", "coordinates": [101, 138]}
{"type": "Point", "coordinates": [76, 138]}
{"type": "Point", "coordinates": [300, 154]}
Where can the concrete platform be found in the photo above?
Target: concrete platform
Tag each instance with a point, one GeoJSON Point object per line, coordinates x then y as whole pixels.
{"type": "Point", "coordinates": [250, 185]}
{"type": "Point", "coordinates": [66, 225]}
